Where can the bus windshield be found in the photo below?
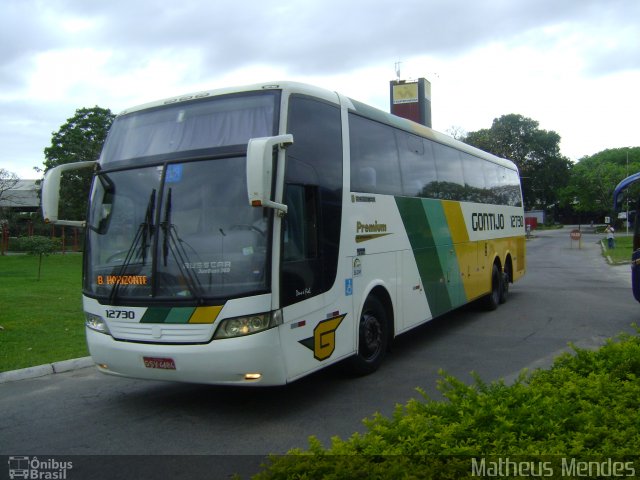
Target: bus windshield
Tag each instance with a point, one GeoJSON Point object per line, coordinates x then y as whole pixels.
{"type": "Point", "coordinates": [169, 217]}
{"type": "Point", "coordinates": [192, 126]}
{"type": "Point", "coordinates": [162, 232]}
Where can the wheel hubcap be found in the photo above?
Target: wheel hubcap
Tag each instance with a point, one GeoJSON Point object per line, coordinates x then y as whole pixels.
{"type": "Point", "coordinates": [371, 335]}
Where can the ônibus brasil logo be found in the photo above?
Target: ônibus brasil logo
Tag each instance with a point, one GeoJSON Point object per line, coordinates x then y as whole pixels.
{"type": "Point", "coordinates": [41, 469]}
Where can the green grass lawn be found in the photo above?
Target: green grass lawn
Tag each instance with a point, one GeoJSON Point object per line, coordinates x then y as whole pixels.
{"type": "Point", "coordinates": [42, 320]}
{"type": "Point", "coordinates": [622, 251]}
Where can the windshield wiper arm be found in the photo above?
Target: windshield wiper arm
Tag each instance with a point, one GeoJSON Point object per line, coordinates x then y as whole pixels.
{"type": "Point", "coordinates": [173, 243]}
{"type": "Point", "coordinates": [147, 226]}
{"type": "Point", "coordinates": [166, 228]}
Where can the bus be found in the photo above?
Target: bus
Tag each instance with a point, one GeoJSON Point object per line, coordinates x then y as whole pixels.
{"type": "Point", "coordinates": [635, 253]}
{"type": "Point", "coordinates": [254, 235]}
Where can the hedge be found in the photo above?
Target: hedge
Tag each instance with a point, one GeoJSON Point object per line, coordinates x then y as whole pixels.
{"type": "Point", "coordinates": [582, 413]}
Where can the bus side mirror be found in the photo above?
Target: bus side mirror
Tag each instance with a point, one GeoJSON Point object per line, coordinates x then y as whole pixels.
{"type": "Point", "coordinates": [51, 192]}
{"type": "Point", "coordinates": [260, 170]}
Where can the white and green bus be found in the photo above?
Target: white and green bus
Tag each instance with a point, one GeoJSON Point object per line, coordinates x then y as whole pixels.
{"type": "Point", "coordinates": [254, 235]}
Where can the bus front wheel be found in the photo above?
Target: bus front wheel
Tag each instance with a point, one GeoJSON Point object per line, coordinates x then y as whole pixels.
{"type": "Point", "coordinates": [373, 338]}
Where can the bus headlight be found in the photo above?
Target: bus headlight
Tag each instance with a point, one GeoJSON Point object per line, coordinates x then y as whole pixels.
{"type": "Point", "coordinates": [241, 326]}
{"type": "Point", "coordinates": [96, 322]}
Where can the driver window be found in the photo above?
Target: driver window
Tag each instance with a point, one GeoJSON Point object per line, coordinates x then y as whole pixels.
{"type": "Point", "coordinates": [300, 241]}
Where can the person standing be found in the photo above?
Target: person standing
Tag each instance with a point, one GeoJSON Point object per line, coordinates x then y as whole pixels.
{"type": "Point", "coordinates": [610, 236]}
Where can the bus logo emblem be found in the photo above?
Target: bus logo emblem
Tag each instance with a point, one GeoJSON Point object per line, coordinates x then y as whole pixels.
{"type": "Point", "coordinates": [323, 342]}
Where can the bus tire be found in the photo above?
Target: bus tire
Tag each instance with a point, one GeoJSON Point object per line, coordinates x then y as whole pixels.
{"type": "Point", "coordinates": [504, 290]}
{"type": "Point", "coordinates": [373, 338]}
{"type": "Point", "coordinates": [492, 300]}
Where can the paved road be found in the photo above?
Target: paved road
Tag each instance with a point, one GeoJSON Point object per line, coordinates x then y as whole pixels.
{"type": "Point", "coordinates": [568, 295]}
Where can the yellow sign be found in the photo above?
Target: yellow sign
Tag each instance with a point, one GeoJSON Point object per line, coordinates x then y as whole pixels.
{"type": "Point", "coordinates": [405, 93]}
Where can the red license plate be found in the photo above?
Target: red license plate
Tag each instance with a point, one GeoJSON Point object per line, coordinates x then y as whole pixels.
{"type": "Point", "coordinates": [161, 363]}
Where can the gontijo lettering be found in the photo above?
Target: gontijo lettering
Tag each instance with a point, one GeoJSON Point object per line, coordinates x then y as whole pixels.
{"type": "Point", "coordinates": [487, 221]}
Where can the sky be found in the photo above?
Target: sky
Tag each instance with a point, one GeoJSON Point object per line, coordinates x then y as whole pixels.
{"type": "Point", "coordinates": [571, 65]}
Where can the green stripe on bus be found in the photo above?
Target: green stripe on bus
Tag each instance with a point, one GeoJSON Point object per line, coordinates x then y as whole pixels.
{"type": "Point", "coordinates": [180, 315]}
{"type": "Point", "coordinates": [167, 315]}
{"type": "Point", "coordinates": [446, 252]}
{"type": "Point", "coordinates": [423, 238]}
{"type": "Point", "coordinates": [155, 315]}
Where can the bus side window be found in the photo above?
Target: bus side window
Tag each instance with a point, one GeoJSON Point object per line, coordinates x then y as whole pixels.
{"type": "Point", "coordinates": [474, 182]}
{"type": "Point", "coordinates": [373, 148]}
{"type": "Point", "coordinates": [512, 182]}
{"type": "Point", "coordinates": [449, 170]}
{"type": "Point", "coordinates": [417, 165]}
{"type": "Point", "coordinates": [300, 240]}
{"type": "Point", "coordinates": [368, 178]}
{"type": "Point", "coordinates": [491, 173]}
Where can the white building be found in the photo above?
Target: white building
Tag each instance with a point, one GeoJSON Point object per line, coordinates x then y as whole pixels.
{"type": "Point", "coordinates": [22, 197]}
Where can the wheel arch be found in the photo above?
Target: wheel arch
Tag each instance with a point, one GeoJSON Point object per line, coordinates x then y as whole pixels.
{"type": "Point", "coordinates": [508, 266]}
{"type": "Point", "coordinates": [497, 261]}
{"type": "Point", "coordinates": [381, 292]}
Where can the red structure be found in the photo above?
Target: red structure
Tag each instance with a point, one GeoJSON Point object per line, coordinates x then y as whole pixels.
{"type": "Point", "coordinates": [411, 100]}
{"type": "Point", "coordinates": [531, 222]}
{"type": "Point", "coordinates": [4, 241]}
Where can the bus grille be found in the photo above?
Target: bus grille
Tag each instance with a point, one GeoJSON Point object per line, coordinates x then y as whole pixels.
{"type": "Point", "coordinates": [161, 332]}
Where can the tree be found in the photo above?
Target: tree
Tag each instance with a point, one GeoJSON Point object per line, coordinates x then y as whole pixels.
{"type": "Point", "coordinates": [457, 132]}
{"type": "Point", "coordinates": [544, 171]}
{"type": "Point", "coordinates": [593, 179]}
{"type": "Point", "coordinates": [8, 181]}
{"type": "Point", "coordinates": [38, 245]}
{"type": "Point", "coordinates": [79, 139]}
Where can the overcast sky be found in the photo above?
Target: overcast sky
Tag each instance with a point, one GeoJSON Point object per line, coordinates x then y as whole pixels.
{"type": "Point", "coordinates": [571, 65]}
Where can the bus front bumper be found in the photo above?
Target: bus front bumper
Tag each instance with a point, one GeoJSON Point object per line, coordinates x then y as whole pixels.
{"type": "Point", "coordinates": [251, 360]}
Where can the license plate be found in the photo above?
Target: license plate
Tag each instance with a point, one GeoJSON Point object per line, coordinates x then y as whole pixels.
{"type": "Point", "coordinates": [161, 363]}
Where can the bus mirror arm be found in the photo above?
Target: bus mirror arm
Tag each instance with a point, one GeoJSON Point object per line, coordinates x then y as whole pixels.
{"type": "Point", "coordinates": [260, 170]}
{"type": "Point", "coordinates": [51, 193]}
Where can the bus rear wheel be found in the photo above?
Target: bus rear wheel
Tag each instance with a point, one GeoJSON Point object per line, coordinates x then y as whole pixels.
{"type": "Point", "coordinates": [504, 290]}
{"type": "Point", "coordinates": [492, 300]}
{"type": "Point", "coordinates": [373, 338]}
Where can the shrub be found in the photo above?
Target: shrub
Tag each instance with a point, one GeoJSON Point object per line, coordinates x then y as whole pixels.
{"type": "Point", "coordinates": [585, 406]}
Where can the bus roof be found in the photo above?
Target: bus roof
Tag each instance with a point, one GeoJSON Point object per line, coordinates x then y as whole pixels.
{"type": "Point", "coordinates": [334, 97]}
{"type": "Point", "coordinates": [292, 87]}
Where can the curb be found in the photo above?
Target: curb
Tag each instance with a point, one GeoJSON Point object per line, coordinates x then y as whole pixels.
{"type": "Point", "coordinates": [47, 369]}
{"type": "Point", "coordinates": [608, 257]}
{"type": "Point", "coordinates": [604, 252]}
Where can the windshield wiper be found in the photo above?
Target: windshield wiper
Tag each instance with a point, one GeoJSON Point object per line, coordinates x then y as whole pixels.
{"type": "Point", "coordinates": [166, 228]}
{"type": "Point", "coordinates": [147, 226]}
{"type": "Point", "coordinates": [143, 234]}
{"type": "Point", "coordinates": [172, 243]}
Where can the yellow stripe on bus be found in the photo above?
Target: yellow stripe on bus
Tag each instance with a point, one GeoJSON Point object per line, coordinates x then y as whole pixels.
{"type": "Point", "coordinates": [473, 276]}
{"type": "Point", "coordinates": [455, 221]}
{"type": "Point", "coordinates": [205, 314]}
